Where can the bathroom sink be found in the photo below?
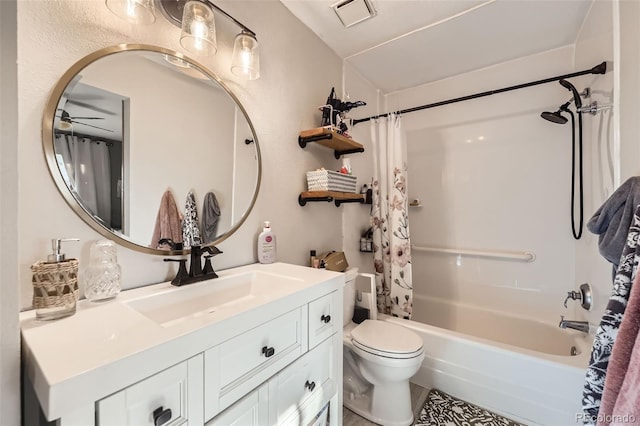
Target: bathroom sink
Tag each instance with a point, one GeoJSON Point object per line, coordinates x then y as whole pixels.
{"type": "Point", "coordinates": [227, 294]}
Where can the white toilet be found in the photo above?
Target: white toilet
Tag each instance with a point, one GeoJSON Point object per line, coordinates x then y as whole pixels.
{"type": "Point", "coordinates": [379, 359]}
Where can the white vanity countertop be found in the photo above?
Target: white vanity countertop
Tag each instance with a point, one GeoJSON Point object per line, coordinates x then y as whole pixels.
{"type": "Point", "coordinates": [107, 346]}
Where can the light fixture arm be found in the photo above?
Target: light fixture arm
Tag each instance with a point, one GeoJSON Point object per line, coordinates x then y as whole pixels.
{"type": "Point", "coordinates": [238, 23]}
{"type": "Point", "coordinates": [172, 10]}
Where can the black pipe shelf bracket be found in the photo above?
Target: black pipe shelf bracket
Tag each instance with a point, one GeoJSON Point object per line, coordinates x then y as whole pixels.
{"type": "Point", "coordinates": [303, 200]}
{"type": "Point", "coordinates": [330, 138]}
{"type": "Point", "coordinates": [339, 201]}
{"type": "Point", "coordinates": [328, 196]}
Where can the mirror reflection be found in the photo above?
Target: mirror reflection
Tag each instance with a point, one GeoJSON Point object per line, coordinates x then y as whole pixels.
{"type": "Point", "coordinates": [151, 149]}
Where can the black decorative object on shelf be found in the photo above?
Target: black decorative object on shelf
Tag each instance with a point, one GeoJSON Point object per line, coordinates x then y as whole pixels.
{"type": "Point", "coordinates": [334, 112]}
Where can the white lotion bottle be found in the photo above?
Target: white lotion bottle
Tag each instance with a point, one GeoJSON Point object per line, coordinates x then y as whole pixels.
{"type": "Point", "coordinates": [266, 245]}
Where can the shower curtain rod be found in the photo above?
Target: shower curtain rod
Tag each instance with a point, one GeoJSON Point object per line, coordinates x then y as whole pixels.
{"type": "Point", "coordinates": [598, 69]}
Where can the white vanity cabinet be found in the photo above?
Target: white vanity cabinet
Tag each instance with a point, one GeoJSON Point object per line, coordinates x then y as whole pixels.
{"type": "Point", "coordinates": [265, 359]}
{"type": "Point", "coordinates": [171, 397]}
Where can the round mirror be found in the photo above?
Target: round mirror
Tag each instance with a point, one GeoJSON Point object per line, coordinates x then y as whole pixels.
{"type": "Point", "coordinates": [151, 149]}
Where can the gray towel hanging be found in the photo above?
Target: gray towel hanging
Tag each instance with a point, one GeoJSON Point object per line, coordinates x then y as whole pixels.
{"type": "Point", "coordinates": [210, 218]}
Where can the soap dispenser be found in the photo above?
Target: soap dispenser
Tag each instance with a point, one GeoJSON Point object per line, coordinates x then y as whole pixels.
{"type": "Point", "coordinates": [55, 284]}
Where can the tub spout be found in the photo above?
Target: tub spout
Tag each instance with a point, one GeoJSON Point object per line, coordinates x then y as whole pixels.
{"type": "Point", "coordinates": [575, 325]}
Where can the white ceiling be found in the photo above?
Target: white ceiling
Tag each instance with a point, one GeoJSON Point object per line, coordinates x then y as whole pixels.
{"type": "Point", "coordinates": [413, 42]}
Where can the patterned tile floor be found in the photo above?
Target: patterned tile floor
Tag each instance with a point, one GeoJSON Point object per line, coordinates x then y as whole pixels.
{"type": "Point", "coordinates": [444, 409]}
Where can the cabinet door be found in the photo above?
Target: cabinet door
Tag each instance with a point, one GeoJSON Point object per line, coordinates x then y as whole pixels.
{"type": "Point", "coordinates": [252, 410]}
{"type": "Point", "coordinates": [240, 364]}
{"type": "Point", "coordinates": [323, 319]}
{"type": "Point", "coordinates": [300, 391]}
{"type": "Point", "coordinates": [169, 398]}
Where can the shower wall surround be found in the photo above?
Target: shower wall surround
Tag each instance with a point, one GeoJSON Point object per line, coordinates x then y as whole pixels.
{"type": "Point", "coordinates": [492, 175]}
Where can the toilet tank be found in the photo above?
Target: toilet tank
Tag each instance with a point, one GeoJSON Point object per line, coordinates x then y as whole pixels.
{"type": "Point", "coordinates": [349, 300]}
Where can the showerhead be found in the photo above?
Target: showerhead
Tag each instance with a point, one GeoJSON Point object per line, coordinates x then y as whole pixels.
{"type": "Point", "coordinates": [576, 96]}
{"type": "Point", "coordinates": [554, 117]}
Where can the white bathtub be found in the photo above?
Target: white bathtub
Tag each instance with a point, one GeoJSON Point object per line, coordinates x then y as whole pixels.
{"type": "Point", "coordinates": [513, 366]}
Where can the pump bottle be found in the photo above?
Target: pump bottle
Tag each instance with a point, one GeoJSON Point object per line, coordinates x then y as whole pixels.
{"type": "Point", "coordinates": [55, 284]}
{"type": "Point", "coordinates": [266, 245]}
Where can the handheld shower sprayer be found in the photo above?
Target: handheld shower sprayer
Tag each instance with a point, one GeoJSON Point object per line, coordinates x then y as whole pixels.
{"type": "Point", "coordinates": [576, 96]}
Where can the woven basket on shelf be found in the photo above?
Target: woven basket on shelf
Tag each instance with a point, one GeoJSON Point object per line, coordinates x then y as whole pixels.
{"type": "Point", "coordinates": [328, 180]}
{"type": "Point", "coordinates": [54, 284]}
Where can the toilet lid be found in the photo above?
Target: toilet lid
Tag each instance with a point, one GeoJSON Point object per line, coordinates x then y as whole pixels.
{"type": "Point", "coordinates": [386, 339]}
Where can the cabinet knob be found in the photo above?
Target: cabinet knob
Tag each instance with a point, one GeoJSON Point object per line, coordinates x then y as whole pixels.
{"type": "Point", "coordinates": [325, 318]}
{"type": "Point", "coordinates": [267, 351]}
{"type": "Point", "coordinates": [161, 416]}
{"type": "Point", "coordinates": [310, 385]}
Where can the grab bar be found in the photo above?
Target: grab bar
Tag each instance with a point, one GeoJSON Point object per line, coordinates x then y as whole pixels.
{"type": "Point", "coordinates": [525, 256]}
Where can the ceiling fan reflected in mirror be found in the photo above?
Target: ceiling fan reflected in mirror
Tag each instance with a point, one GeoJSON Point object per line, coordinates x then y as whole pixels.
{"type": "Point", "coordinates": [67, 121]}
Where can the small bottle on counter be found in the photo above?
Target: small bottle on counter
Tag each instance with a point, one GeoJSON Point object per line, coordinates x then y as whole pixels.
{"type": "Point", "coordinates": [55, 284]}
{"type": "Point", "coordinates": [314, 262]}
{"type": "Point", "coordinates": [267, 245]}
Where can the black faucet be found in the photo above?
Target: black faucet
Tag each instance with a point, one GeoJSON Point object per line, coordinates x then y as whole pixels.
{"type": "Point", "coordinates": [196, 272]}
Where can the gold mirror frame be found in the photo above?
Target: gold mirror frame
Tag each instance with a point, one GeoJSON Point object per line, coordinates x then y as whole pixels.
{"type": "Point", "coordinates": [49, 151]}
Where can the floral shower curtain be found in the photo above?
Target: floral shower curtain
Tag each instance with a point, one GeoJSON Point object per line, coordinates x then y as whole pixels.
{"type": "Point", "coordinates": [391, 244]}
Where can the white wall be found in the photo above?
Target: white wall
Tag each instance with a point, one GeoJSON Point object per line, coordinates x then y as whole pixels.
{"type": "Point", "coordinates": [629, 71]}
{"type": "Point", "coordinates": [494, 176]}
{"type": "Point", "coordinates": [356, 217]}
{"type": "Point", "coordinates": [9, 288]}
{"type": "Point", "coordinates": [594, 45]}
{"type": "Point", "coordinates": [295, 79]}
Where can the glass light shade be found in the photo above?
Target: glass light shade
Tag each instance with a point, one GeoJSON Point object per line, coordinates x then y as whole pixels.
{"type": "Point", "coordinates": [198, 28]}
{"type": "Point", "coordinates": [134, 11]}
{"type": "Point", "coordinates": [246, 59]}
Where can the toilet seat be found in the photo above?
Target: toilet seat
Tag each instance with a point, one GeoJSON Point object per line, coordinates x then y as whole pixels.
{"type": "Point", "coordinates": [387, 340]}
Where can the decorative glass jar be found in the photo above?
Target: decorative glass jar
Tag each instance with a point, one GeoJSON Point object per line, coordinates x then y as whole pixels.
{"type": "Point", "coordinates": [102, 276]}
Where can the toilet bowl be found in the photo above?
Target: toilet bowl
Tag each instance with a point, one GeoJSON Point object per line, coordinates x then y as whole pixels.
{"type": "Point", "coordinates": [379, 359]}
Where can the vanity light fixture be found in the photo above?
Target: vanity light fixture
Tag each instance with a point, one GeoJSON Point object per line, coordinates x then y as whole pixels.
{"type": "Point", "coordinates": [198, 28]}
{"type": "Point", "coordinates": [245, 60]}
{"type": "Point", "coordinates": [134, 11]}
{"type": "Point", "coordinates": [198, 31]}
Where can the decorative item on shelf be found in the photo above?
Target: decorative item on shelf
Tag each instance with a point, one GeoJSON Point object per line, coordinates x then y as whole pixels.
{"type": "Point", "coordinates": [55, 284]}
{"type": "Point", "coordinates": [368, 193]}
{"type": "Point", "coordinates": [334, 113]}
{"type": "Point", "coordinates": [196, 20]}
{"type": "Point", "coordinates": [366, 241]}
{"type": "Point", "coordinates": [346, 166]}
{"type": "Point", "coordinates": [102, 276]}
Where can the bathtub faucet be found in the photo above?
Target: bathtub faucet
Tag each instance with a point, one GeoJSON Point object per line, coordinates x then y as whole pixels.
{"type": "Point", "coordinates": [575, 325]}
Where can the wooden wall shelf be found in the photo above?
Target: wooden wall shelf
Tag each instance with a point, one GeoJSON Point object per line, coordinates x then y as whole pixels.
{"type": "Point", "coordinates": [340, 144]}
{"type": "Point", "coordinates": [337, 197]}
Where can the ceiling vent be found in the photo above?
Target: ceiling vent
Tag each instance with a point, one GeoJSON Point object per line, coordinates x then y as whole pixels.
{"type": "Point", "coordinates": [352, 12]}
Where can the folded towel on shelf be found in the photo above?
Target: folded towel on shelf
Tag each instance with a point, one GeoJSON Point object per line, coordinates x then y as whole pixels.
{"type": "Point", "coordinates": [607, 332]}
{"type": "Point", "coordinates": [612, 220]}
{"type": "Point", "coordinates": [168, 222]}
{"type": "Point", "coordinates": [190, 227]}
{"type": "Point", "coordinates": [210, 218]}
